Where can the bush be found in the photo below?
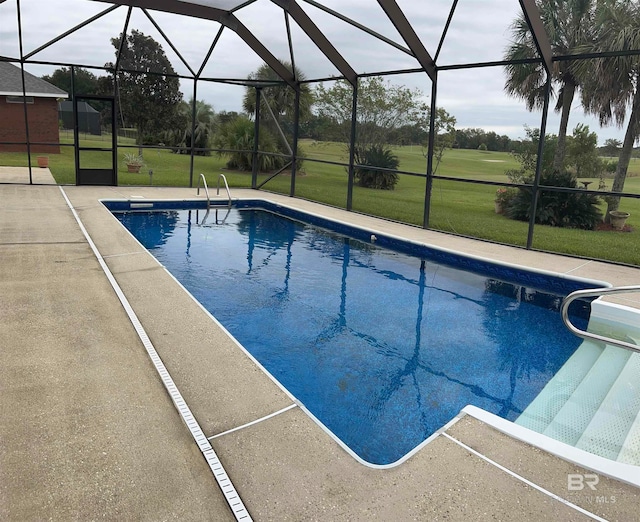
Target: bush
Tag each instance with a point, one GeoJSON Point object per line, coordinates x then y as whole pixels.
{"type": "Point", "coordinates": [557, 209]}
{"type": "Point", "coordinates": [238, 136]}
{"type": "Point", "coordinates": [378, 156]}
{"type": "Point", "coordinates": [610, 167]}
{"type": "Point", "coordinates": [505, 195]}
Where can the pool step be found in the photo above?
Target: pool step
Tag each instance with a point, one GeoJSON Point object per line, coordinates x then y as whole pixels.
{"type": "Point", "coordinates": [610, 424]}
{"type": "Point", "coordinates": [593, 403]}
{"type": "Point", "coordinates": [630, 452]}
{"type": "Point", "coordinates": [573, 418]}
{"type": "Point", "coordinates": [555, 394]}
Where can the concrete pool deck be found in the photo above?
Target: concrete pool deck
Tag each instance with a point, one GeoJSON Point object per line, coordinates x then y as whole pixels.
{"type": "Point", "coordinates": [88, 431]}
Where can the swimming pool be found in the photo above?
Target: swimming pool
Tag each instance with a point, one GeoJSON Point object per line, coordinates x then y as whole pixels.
{"type": "Point", "coordinates": [383, 347]}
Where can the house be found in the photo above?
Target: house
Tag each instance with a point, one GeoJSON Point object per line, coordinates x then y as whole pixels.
{"type": "Point", "coordinates": [42, 112]}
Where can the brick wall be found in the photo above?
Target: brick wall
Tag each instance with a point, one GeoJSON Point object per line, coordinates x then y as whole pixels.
{"type": "Point", "coordinates": [43, 125]}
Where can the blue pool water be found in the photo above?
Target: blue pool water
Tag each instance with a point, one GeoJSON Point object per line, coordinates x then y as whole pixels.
{"type": "Point", "coordinates": [382, 347]}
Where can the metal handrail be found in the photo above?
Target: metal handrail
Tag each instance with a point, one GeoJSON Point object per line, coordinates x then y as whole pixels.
{"type": "Point", "coordinates": [596, 292]}
{"type": "Point", "coordinates": [206, 189]}
{"type": "Point", "coordinates": [226, 186]}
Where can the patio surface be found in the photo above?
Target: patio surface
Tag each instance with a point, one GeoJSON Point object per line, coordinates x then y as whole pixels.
{"type": "Point", "coordinates": [88, 431]}
{"type": "Point", "coordinates": [39, 176]}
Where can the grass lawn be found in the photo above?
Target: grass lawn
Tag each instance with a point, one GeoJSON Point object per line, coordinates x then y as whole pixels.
{"type": "Point", "coordinates": [457, 207]}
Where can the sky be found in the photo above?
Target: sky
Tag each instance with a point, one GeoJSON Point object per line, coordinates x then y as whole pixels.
{"type": "Point", "coordinates": [479, 32]}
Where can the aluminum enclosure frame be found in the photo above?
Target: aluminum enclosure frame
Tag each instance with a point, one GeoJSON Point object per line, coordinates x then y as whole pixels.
{"type": "Point", "coordinates": [413, 47]}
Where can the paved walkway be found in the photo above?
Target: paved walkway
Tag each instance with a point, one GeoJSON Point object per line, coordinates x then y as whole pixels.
{"type": "Point", "coordinates": [87, 430]}
{"type": "Point", "coordinates": [39, 176]}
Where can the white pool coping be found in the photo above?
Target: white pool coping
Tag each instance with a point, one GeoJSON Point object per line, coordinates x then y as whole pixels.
{"type": "Point", "coordinates": [618, 470]}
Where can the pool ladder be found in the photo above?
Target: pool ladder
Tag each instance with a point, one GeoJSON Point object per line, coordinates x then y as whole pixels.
{"type": "Point", "coordinates": [206, 189]}
{"type": "Point", "coordinates": [596, 292]}
{"type": "Point", "coordinates": [202, 180]}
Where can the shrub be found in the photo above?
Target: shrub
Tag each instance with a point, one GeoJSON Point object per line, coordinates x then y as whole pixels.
{"type": "Point", "coordinates": [377, 156]}
{"type": "Point", "coordinates": [610, 167]}
{"type": "Point", "coordinates": [238, 136]}
{"type": "Point", "coordinates": [505, 195]}
{"type": "Point", "coordinates": [557, 209]}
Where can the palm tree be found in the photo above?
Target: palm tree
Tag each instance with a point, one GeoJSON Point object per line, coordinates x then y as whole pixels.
{"type": "Point", "coordinates": [281, 98]}
{"type": "Point", "coordinates": [569, 26]}
{"type": "Point", "coordinates": [614, 87]}
{"type": "Point", "coordinates": [204, 126]}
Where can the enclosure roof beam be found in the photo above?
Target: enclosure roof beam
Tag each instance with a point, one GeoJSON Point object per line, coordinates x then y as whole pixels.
{"type": "Point", "coordinates": [171, 6]}
{"type": "Point", "coordinates": [242, 5]}
{"type": "Point", "coordinates": [318, 38]}
{"type": "Point", "coordinates": [217, 15]}
{"type": "Point", "coordinates": [402, 25]}
{"type": "Point", "coordinates": [532, 15]}
{"type": "Point", "coordinates": [70, 31]}
{"type": "Point", "coordinates": [235, 25]}
{"type": "Point", "coordinates": [175, 50]}
{"type": "Point", "coordinates": [357, 25]}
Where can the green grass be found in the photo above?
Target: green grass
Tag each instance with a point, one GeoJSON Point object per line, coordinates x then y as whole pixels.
{"type": "Point", "coordinates": [457, 207]}
{"type": "Point", "coordinates": [461, 208]}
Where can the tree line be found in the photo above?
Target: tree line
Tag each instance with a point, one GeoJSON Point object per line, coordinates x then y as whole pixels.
{"type": "Point", "coordinates": [388, 114]}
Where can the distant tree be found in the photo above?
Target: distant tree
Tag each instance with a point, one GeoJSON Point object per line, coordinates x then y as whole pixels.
{"type": "Point", "coordinates": [85, 82]}
{"type": "Point", "coordinates": [527, 156]}
{"type": "Point", "coordinates": [472, 138]}
{"type": "Point", "coordinates": [445, 134]}
{"type": "Point", "coordinates": [382, 108]}
{"type": "Point", "coordinates": [409, 135]}
{"type": "Point", "coordinates": [322, 128]}
{"type": "Point", "coordinates": [223, 117]}
{"type": "Point", "coordinates": [611, 147]}
{"type": "Point", "coordinates": [149, 98]}
{"type": "Point", "coordinates": [494, 142]}
{"type": "Point", "coordinates": [582, 153]}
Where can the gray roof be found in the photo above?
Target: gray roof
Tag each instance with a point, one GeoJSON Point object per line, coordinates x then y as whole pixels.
{"type": "Point", "coordinates": [11, 84]}
{"type": "Point", "coordinates": [67, 106]}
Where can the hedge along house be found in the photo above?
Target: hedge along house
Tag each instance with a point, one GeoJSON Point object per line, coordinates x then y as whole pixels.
{"type": "Point", "coordinates": [37, 103]}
